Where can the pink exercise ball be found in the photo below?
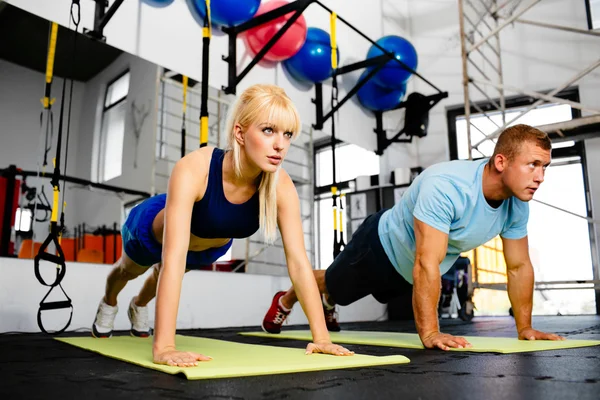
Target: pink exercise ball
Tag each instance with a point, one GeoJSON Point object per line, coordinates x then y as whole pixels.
{"type": "Point", "coordinates": [288, 45]}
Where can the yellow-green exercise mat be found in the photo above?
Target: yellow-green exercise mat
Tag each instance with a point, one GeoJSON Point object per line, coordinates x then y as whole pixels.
{"type": "Point", "coordinates": [412, 341]}
{"type": "Point", "coordinates": [230, 359]}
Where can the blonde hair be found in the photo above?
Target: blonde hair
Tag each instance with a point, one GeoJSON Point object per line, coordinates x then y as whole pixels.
{"type": "Point", "coordinates": [270, 104]}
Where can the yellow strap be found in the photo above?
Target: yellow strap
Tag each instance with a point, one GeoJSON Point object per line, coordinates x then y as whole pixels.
{"type": "Point", "coordinates": [335, 227]}
{"type": "Point", "coordinates": [185, 89]}
{"type": "Point", "coordinates": [47, 102]}
{"type": "Point", "coordinates": [55, 205]}
{"type": "Point", "coordinates": [334, 60]}
{"type": "Point", "coordinates": [333, 193]}
{"type": "Point", "coordinates": [203, 130]}
{"type": "Point", "coordinates": [51, 52]}
{"type": "Point", "coordinates": [206, 32]}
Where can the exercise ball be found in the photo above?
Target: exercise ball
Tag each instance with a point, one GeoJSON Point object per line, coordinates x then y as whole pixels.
{"type": "Point", "coordinates": [313, 62]}
{"type": "Point", "coordinates": [393, 74]}
{"type": "Point", "coordinates": [377, 98]}
{"type": "Point", "coordinates": [224, 12]}
{"type": "Point", "coordinates": [288, 45]}
{"type": "Point", "coordinates": [157, 3]}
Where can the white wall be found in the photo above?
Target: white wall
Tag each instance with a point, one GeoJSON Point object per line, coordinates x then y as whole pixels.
{"type": "Point", "coordinates": [202, 305]}
{"type": "Point", "coordinates": [21, 137]}
{"type": "Point", "coordinates": [134, 30]}
{"type": "Point", "coordinates": [96, 207]}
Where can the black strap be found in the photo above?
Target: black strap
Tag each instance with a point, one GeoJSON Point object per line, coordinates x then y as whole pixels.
{"type": "Point", "coordinates": [54, 305]}
{"type": "Point", "coordinates": [55, 229]}
{"type": "Point", "coordinates": [334, 196]}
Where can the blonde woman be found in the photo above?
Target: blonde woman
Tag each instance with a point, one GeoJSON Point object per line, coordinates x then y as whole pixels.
{"type": "Point", "coordinates": [221, 195]}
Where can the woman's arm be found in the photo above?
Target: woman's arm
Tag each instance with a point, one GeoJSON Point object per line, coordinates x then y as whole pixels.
{"type": "Point", "coordinates": [181, 195]}
{"type": "Point", "coordinates": [290, 225]}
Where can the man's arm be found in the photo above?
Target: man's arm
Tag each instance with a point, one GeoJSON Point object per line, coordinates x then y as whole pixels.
{"type": "Point", "coordinates": [431, 247]}
{"type": "Point", "coordinates": [520, 287]}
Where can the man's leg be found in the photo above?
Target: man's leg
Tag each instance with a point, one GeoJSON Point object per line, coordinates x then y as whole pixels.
{"type": "Point", "coordinates": [289, 298]}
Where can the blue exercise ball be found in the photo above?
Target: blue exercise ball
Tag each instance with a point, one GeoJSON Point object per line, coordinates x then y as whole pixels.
{"type": "Point", "coordinates": [393, 74]}
{"type": "Point", "coordinates": [224, 12]}
{"type": "Point", "coordinates": [377, 98]}
{"type": "Point", "coordinates": [312, 63]}
{"type": "Point", "coordinates": [158, 3]}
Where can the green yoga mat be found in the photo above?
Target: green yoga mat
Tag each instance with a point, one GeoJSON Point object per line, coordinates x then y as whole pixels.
{"type": "Point", "coordinates": [412, 341]}
{"type": "Point", "coordinates": [229, 359]}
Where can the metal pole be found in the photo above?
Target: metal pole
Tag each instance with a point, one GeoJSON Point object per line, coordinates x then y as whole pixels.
{"type": "Point", "coordinates": [500, 73]}
{"type": "Point", "coordinates": [464, 54]}
{"type": "Point", "coordinates": [541, 96]}
{"type": "Point", "coordinates": [501, 26]}
{"type": "Point", "coordinates": [537, 103]}
{"type": "Point", "coordinates": [559, 27]}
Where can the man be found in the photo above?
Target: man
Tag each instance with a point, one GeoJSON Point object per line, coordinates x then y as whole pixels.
{"type": "Point", "coordinates": [450, 208]}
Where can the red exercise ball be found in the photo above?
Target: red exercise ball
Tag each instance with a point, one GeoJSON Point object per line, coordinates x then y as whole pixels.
{"type": "Point", "coordinates": [289, 44]}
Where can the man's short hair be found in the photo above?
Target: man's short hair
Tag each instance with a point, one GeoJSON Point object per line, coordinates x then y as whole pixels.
{"type": "Point", "coordinates": [510, 140]}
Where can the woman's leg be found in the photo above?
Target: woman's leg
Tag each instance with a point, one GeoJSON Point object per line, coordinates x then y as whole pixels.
{"type": "Point", "coordinates": [125, 270]}
{"type": "Point", "coordinates": [148, 290]}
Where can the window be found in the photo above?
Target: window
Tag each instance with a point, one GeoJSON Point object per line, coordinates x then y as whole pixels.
{"type": "Point", "coordinates": [351, 161]}
{"type": "Point", "coordinates": [480, 124]}
{"type": "Point", "coordinates": [113, 128]}
{"type": "Point", "coordinates": [347, 165]}
{"type": "Point", "coordinates": [593, 14]}
{"type": "Point", "coordinates": [23, 220]}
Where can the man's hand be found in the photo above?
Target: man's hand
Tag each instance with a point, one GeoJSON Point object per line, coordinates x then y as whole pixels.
{"type": "Point", "coordinates": [532, 334]}
{"type": "Point", "coordinates": [444, 341]}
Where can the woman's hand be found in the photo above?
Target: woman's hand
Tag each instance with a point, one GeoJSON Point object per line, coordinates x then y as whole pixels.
{"type": "Point", "coordinates": [177, 358]}
{"type": "Point", "coordinates": [328, 348]}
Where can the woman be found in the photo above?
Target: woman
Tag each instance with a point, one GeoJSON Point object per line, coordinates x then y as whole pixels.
{"type": "Point", "coordinates": [221, 195]}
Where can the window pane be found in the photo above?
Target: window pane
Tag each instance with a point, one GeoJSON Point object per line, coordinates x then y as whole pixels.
{"type": "Point", "coordinates": [117, 90]}
{"type": "Point", "coordinates": [595, 11]}
{"type": "Point", "coordinates": [481, 126]}
{"type": "Point", "coordinates": [113, 131]}
{"type": "Point", "coordinates": [556, 256]}
{"type": "Point", "coordinates": [23, 219]}
{"type": "Point", "coordinates": [351, 161]}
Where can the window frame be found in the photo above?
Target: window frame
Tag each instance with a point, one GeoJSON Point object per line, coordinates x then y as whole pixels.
{"type": "Point", "coordinates": [101, 142]}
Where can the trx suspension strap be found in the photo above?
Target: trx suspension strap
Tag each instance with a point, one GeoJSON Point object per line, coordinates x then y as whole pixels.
{"type": "Point", "coordinates": [206, 34]}
{"type": "Point", "coordinates": [55, 230]}
{"type": "Point", "coordinates": [337, 242]}
{"type": "Point", "coordinates": [185, 89]}
{"type": "Point", "coordinates": [47, 101]}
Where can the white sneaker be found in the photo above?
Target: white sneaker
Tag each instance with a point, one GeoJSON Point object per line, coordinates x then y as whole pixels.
{"type": "Point", "coordinates": [105, 320]}
{"type": "Point", "coordinates": [138, 316]}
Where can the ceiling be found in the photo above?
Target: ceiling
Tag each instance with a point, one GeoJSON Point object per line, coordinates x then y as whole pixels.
{"type": "Point", "coordinates": [25, 42]}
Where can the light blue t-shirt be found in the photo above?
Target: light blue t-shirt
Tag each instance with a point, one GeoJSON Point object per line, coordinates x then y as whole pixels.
{"type": "Point", "coordinates": [449, 197]}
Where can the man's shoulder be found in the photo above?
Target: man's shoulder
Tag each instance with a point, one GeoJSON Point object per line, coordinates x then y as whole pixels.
{"type": "Point", "coordinates": [460, 173]}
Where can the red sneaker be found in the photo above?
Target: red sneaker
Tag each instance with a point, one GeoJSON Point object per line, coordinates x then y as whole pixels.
{"type": "Point", "coordinates": [331, 319]}
{"type": "Point", "coordinates": [275, 316]}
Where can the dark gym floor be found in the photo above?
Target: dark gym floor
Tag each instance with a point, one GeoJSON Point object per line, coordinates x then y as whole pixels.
{"type": "Point", "coordinates": [33, 366]}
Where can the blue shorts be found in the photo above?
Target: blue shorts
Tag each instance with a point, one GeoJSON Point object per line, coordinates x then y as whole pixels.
{"type": "Point", "coordinates": [142, 247]}
{"type": "Point", "coordinates": [363, 268]}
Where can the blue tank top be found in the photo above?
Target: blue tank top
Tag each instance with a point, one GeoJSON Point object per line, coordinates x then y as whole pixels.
{"type": "Point", "coordinates": [215, 217]}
